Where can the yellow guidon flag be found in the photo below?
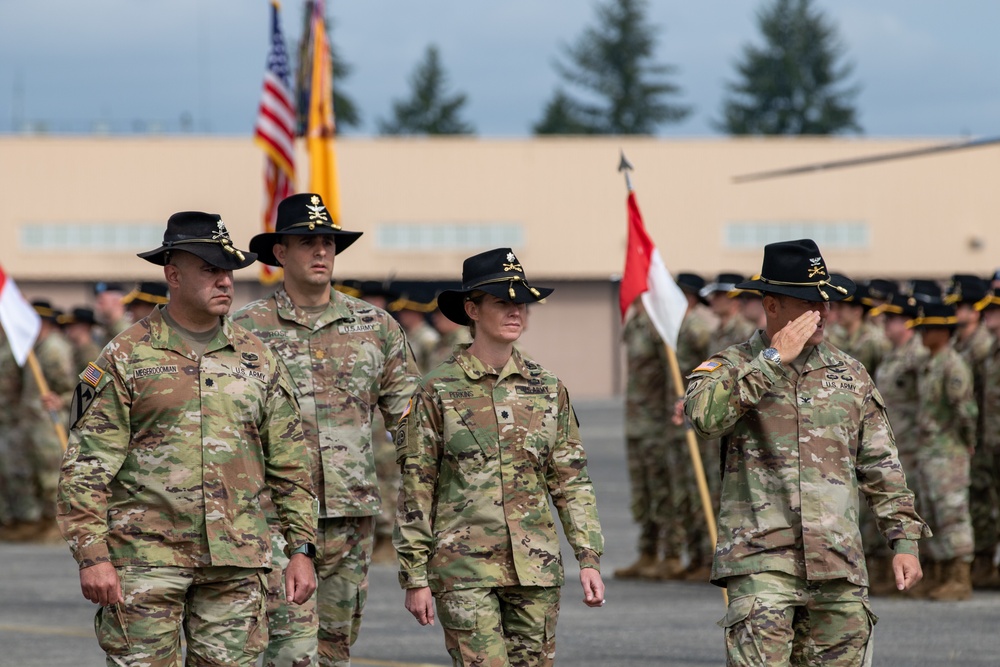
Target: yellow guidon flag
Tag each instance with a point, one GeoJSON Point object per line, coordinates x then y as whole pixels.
{"type": "Point", "coordinates": [320, 126]}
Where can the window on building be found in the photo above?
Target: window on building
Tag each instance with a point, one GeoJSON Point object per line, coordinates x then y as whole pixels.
{"type": "Point", "coordinates": [91, 236]}
{"type": "Point", "coordinates": [432, 236]}
{"type": "Point", "coordinates": [839, 235]}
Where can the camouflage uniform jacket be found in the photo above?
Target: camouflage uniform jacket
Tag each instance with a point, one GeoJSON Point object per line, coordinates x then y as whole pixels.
{"type": "Point", "coordinates": [646, 386]}
{"type": "Point", "coordinates": [974, 350]}
{"type": "Point", "coordinates": [797, 449]}
{"type": "Point", "coordinates": [736, 330]}
{"type": "Point", "coordinates": [167, 464]}
{"type": "Point", "coordinates": [693, 340]}
{"type": "Point", "coordinates": [481, 454]}
{"type": "Point", "coordinates": [896, 379]}
{"type": "Point", "coordinates": [868, 344]}
{"type": "Point", "coordinates": [947, 412]}
{"type": "Point", "coordinates": [350, 360]}
{"type": "Point", "coordinates": [991, 399]}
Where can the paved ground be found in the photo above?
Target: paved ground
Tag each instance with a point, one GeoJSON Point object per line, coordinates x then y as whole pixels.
{"type": "Point", "coordinates": [45, 622]}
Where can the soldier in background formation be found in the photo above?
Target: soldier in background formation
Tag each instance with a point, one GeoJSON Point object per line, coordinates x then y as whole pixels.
{"type": "Point", "coordinates": [144, 299]}
{"type": "Point", "coordinates": [79, 327]}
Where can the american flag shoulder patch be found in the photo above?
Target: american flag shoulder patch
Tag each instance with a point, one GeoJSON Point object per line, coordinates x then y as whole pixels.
{"type": "Point", "coordinates": [708, 367]}
{"type": "Point", "coordinates": [92, 374]}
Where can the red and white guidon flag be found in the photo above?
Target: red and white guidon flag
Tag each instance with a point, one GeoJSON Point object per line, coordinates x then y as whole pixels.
{"type": "Point", "coordinates": [646, 276]}
{"type": "Point", "coordinates": [19, 320]}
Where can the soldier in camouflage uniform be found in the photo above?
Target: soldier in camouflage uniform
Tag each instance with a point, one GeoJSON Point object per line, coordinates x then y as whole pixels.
{"type": "Point", "coordinates": [986, 471]}
{"type": "Point", "coordinates": [451, 336]}
{"type": "Point", "coordinates": [855, 333]}
{"type": "Point", "coordinates": [78, 327]}
{"type": "Point", "coordinates": [423, 338]}
{"type": "Point", "coordinates": [489, 438]}
{"type": "Point", "coordinates": [110, 310]}
{"type": "Point", "coordinates": [946, 419]}
{"type": "Point", "coordinates": [10, 404]}
{"type": "Point", "coordinates": [804, 428]}
{"type": "Point", "coordinates": [36, 455]}
{"type": "Point", "coordinates": [896, 379]}
{"type": "Point", "coordinates": [346, 359]}
{"type": "Point", "coordinates": [973, 342]}
{"type": "Point", "coordinates": [687, 527]}
{"type": "Point", "coordinates": [178, 429]}
{"type": "Point", "coordinates": [651, 478]}
{"type": "Point", "coordinates": [147, 295]}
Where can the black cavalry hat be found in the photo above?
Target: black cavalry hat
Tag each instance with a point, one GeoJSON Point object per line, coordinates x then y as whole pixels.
{"type": "Point", "coordinates": [303, 214]}
{"type": "Point", "coordinates": [724, 282]}
{"type": "Point", "coordinates": [797, 269]}
{"type": "Point", "coordinates": [692, 283]}
{"type": "Point", "coordinates": [965, 288]}
{"type": "Point", "coordinates": [900, 304]}
{"type": "Point", "coordinates": [148, 292]}
{"type": "Point", "coordinates": [936, 314]}
{"type": "Point", "coordinates": [991, 300]}
{"type": "Point", "coordinates": [203, 235]}
{"type": "Point", "coordinates": [78, 316]}
{"type": "Point", "coordinates": [497, 272]}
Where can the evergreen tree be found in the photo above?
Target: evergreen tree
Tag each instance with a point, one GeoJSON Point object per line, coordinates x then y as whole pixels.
{"type": "Point", "coordinates": [792, 84]}
{"type": "Point", "coordinates": [429, 110]}
{"type": "Point", "coordinates": [614, 64]}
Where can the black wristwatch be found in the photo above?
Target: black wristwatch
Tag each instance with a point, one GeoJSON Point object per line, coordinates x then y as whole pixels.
{"type": "Point", "coordinates": [771, 354]}
{"type": "Point", "coordinates": [309, 549]}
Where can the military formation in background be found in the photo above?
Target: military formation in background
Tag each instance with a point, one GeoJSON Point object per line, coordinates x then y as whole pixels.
{"type": "Point", "coordinates": [931, 347]}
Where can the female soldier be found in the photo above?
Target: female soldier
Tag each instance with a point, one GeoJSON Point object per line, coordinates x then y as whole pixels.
{"type": "Point", "coordinates": [488, 437]}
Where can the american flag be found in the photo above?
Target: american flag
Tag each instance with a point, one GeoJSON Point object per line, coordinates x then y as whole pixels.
{"type": "Point", "coordinates": [275, 133]}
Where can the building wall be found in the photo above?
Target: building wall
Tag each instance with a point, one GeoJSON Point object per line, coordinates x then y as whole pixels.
{"type": "Point", "coordinates": [71, 205]}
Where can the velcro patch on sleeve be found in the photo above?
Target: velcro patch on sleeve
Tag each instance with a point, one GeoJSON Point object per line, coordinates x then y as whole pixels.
{"type": "Point", "coordinates": [708, 366]}
{"type": "Point", "coordinates": [92, 374]}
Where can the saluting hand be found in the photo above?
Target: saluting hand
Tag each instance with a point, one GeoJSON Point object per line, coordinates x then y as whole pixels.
{"type": "Point", "coordinates": [793, 337]}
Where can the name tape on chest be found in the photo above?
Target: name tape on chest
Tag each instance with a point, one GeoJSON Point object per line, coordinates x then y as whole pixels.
{"type": "Point", "coordinates": [153, 370]}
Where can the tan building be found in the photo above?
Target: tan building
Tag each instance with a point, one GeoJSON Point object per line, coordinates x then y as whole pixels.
{"type": "Point", "coordinates": [75, 210]}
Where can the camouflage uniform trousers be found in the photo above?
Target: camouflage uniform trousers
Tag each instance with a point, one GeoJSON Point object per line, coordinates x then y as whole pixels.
{"type": "Point", "coordinates": [984, 497]}
{"type": "Point", "coordinates": [508, 626]}
{"type": "Point", "coordinates": [221, 610]}
{"type": "Point", "coordinates": [652, 480]}
{"type": "Point", "coordinates": [33, 468]}
{"type": "Point", "coordinates": [943, 489]}
{"type": "Point", "coordinates": [322, 630]}
{"type": "Point", "coordinates": [780, 619]}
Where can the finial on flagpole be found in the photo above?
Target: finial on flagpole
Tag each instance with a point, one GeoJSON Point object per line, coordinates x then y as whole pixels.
{"type": "Point", "coordinates": [625, 166]}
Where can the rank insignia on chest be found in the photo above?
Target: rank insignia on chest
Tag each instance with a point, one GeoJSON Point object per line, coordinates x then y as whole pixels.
{"type": "Point", "coordinates": [505, 414]}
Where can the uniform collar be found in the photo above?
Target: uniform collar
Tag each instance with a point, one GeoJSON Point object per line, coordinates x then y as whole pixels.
{"type": "Point", "coordinates": [475, 369]}
{"type": "Point", "coordinates": [337, 309]}
{"type": "Point", "coordinates": [162, 337]}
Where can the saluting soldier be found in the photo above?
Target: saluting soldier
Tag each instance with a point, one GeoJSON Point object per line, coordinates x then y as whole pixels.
{"type": "Point", "coordinates": [489, 438]}
{"type": "Point", "coordinates": [804, 429]}
{"type": "Point", "coordinates": [946, 416]}
{"type": "Point", "coordinates": [178, 429]}
{"type": "Point", "coordinates": [347, 360]}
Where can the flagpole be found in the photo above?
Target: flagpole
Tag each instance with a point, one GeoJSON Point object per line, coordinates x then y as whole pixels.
{"type": "Point", "coordinates": [692, 441]}
{"type": "Point", "coordinates": [43, 389]}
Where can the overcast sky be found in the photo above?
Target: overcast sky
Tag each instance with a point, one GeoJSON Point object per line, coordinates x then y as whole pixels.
{"type": "Point", "coordinates": [926, 67]}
